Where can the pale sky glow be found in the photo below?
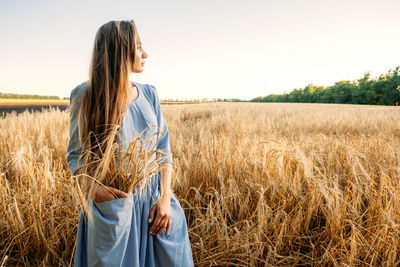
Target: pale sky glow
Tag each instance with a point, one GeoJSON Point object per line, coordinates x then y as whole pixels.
{"type": "Point", "coordinates": [202, 49]}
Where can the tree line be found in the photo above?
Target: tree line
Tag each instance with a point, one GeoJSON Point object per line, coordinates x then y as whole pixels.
{"type": "Point", "coordinates": [18, 96]}
{"type": "Point", "coordinates": [382, 90]}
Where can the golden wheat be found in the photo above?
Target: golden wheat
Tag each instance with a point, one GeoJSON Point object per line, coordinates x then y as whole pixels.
{"type": "Point", "coordinates": [260, 184]}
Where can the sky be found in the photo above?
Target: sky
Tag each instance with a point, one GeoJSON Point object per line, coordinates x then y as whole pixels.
{"type": "Point", "coordinates": [202, 49]}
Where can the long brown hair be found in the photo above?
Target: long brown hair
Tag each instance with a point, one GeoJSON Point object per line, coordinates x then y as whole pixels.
{"type": "Point", "coordinates": [106, 99]}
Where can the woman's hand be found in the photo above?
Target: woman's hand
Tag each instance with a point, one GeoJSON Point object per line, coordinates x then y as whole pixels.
{"type": "Point", "coordinates": [99, 192]}
{"type": "Point", "coordinates": [163, 220]}
{"type": "Point", "coordinates": [105, 193]}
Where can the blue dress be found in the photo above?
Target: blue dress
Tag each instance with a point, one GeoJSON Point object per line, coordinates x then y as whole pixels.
{"type": "Point", "coordinates": [119, 233]}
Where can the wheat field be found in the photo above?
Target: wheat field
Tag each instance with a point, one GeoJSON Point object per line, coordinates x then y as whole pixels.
{"type": "Point", "coordinates": [261, 185]}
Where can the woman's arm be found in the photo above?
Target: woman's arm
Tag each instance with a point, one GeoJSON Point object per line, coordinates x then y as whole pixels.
{"type": "Point", "coordinates": [165, 181]}
{"type": "Point", "coordinates": [163, 208]}
{"type": "Point", "coordinates": [74, 148]}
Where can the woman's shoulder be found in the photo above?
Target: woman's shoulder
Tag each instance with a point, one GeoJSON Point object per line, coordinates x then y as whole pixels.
{"type": "Point", "coordinates": [149, 91]}
{"type": "Point", "coordinates": [79, 89]}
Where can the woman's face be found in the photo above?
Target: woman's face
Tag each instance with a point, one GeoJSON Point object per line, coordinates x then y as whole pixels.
{"type": "Point", "coordinates": [140, 55]}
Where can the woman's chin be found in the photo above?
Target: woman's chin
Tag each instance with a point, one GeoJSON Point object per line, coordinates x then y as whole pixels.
{"type": "Point", "coordinates": [138, 71]}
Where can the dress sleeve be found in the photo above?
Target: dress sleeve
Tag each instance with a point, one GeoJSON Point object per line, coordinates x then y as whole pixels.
{"type": "Point", "coordinates": [163, 142]}
{"type": "Point", "coordinates": [74, 149]}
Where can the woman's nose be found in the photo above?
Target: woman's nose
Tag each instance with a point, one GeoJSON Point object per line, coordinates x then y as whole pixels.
{"type": "Point", "coordinates": [145, 54]}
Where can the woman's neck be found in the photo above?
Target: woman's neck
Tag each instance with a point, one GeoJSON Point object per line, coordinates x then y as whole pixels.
{"type": "Point", "coordinates": [133, 92]}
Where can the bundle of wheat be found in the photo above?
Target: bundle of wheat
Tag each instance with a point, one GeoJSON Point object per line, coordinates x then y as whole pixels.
{"type": "Point", "coordinates": [127, 166]}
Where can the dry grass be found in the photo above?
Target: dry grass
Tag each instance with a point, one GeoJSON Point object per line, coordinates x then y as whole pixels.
{"type": "Point", "coordinates": [261, 184]}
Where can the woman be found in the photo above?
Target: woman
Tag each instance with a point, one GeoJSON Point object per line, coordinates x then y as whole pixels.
{"type": "Point", "coordinates": [128, 229]}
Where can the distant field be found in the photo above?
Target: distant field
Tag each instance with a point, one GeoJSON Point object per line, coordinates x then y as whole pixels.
{"type": "Point", "coordinates": [5, 102]}
{"type": "Point", "coordinates": [40, 102]}
{"type": "Point", "coordinates": [178, 102]}
{"type": "Point", "coordinates": [20, 105]}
